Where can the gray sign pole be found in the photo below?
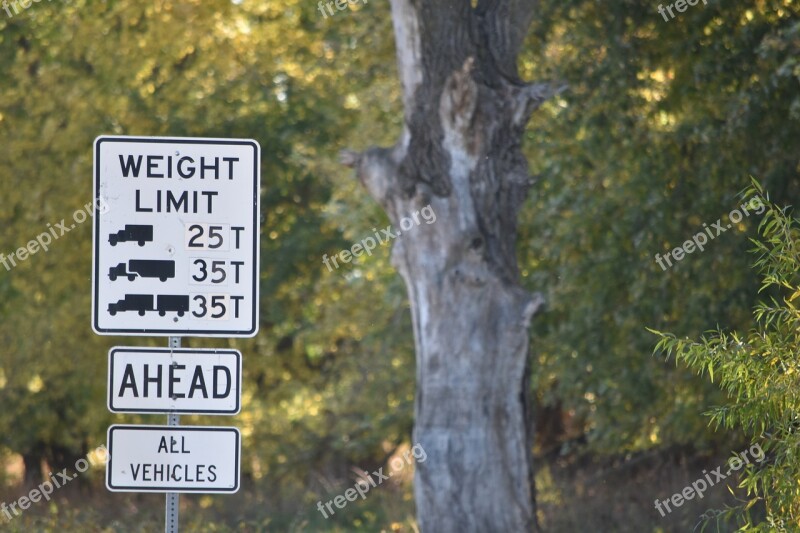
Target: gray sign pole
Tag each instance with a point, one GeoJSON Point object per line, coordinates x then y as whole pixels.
{"type": "Point", "coordinates": [171, 519]}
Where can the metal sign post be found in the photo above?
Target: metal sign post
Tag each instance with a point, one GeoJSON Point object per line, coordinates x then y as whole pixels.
{"type": "Point", "coordinates": [172, 517]}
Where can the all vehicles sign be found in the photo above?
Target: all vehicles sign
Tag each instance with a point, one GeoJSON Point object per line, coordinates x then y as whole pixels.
{"type": "Point", "coordinates": [176, 248]}
{"type": "Point", "coordinates": [173, 459]}
{"type": "Point", "coordinates": [174, 380]}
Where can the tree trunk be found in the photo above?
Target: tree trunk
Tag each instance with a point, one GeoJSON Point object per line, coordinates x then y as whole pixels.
{"type": "Point", "coordinates": [33, 468]}
{"type": "Point", "coordinates": [460, 153]}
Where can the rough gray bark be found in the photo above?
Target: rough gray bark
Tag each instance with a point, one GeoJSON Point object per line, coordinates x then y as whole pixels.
{"type": "Point", "coordinates": [465, 113]}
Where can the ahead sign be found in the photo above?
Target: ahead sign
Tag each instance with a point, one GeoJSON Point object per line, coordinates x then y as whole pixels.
{"type": "Point", "coordinates": [176, 248]}
{"type": "Point", "coordinates": [178, 380]}
{"type": "Point", "coordinates": [173, 459]}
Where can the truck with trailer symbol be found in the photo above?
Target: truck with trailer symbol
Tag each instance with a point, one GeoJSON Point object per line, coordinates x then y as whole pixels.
{"type": "Point", "coordinates": [142, 303]}
{"type": "Point", "coordinates": [146, 268]}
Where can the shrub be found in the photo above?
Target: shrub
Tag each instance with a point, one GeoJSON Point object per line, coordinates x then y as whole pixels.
{"type": "Point", "coordinates": [760, 371]}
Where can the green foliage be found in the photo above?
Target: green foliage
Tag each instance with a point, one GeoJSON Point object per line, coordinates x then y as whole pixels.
{"type": "Point", "coordinates": [329, 380]}
{"type": "Point", "coordinates": [759, 373]}
{"type": "Point", "coordinates": [387, 510]}
{"type": "Point", "coordinates": [660, 126]}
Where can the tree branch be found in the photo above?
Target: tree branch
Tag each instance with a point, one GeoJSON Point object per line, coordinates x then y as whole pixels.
{"type": "Point", "coordinates": [531, 96]}
{"type": "Point", "coordinates": [376, 169]}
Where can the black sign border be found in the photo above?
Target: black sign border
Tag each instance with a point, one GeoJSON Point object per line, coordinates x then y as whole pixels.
{"type": "Point", "coordinates": [204, 351]}
{"type": "Point", "coordinates": [237, 462]}
{"type": "Point", "coordinates": [253, 331]}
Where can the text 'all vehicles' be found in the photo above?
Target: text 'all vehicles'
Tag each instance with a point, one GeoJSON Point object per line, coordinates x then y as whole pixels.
{"type": "Point", "coordinates": [143, 303]}
{"type": "Point", "coordinates": [146, 268]}
{"type": "Point", "coordinates": [140, 234]}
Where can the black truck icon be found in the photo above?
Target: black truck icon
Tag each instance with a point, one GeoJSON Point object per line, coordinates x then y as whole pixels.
{"type": "Point", "coordinates": [146, 268]}
{"type": "Point", "coordinates": [142, 303]}
{"type": "Point", "coordinates": [132, 233]}
{"type": "Point", "coordinates": [132, 302]}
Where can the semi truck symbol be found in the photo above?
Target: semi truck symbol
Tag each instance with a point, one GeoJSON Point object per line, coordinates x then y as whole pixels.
{"type": "Point", "coordinates": [132, 232]}
{"type": "Point", "coordinates": [146, 268]}
{"type": "Point", "coordinates": [142, 303]}
{"type": "Point", "coordinates": [132, 302]}
{"type": "Point", "coordinates": [173, 302]}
